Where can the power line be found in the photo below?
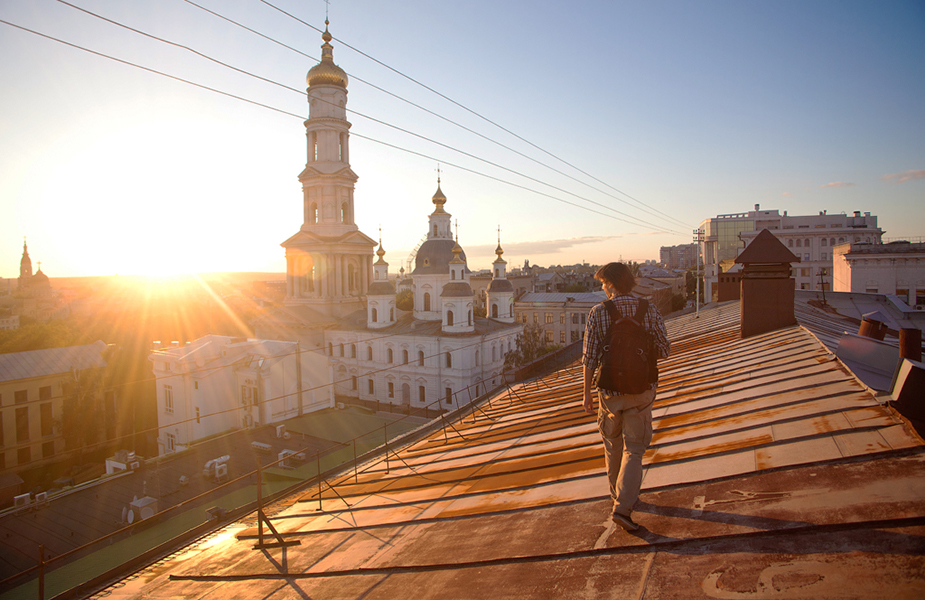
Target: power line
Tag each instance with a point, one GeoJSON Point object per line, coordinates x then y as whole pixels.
{"type": "Point", "coordinates": [442, 117]}
{"type": "Point", "coordinates": [201, 86]}
{"type": "Point", "coordinates": [469, 110]}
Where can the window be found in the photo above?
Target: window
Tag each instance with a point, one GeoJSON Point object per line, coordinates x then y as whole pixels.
{"type": "Point", "coordinates": [426, 301]}
{"type": "Point", "coordinates": [806, 256]}
{"type": "Point", "coordinates": [313, 212]}
{"type": "Point", "coordinates": [799, 243]}
{"type": "Point", "coordinates": [470, 316]}
{"type": "Point", "coordinates": [168, 399]}
{"type": "Point", "coordinates": [824, 242]}
{"type": "Point", "coordinates": [330, 349]}
{"type": "Point", "coordinates": [45, 393]}
{"type": "Point", "coordinates": [369, 352]}
{"type": "Point", "coordinates": [449, 318]}
{"type": "Point", "coordinates": [824, 256]}
{"type": "Point", "coordinates": [548, 337]}
{"type": "Point", "coordinates": [375, 316]}
{"type": "Point", "coordinates": [170, 441]}
{"type": "Point", "coordinates": [832, 242]}
{"type": "Point", "coordinates": [391, 390]}
{"type": "Point", "coordinates": [536, 317]}
{"type": "Point", "coordinates": [523, 317]}
{"type": "Point", "coordinates": [452, 275]}
{"type": "Point", "coordinates": [48, 449]}
{"type": "Point", "coordinates": [197, 416]}
{"type": "Point", "coordinates": [420, 358]}
{"type": "Point", "coordinates": [548, 318]}
{"type": "Point", "coordinates": [790, 243]}
{"type": "Point", "coordinates": [871, 290]}
{"type": "Point", "coordinates": [391, 315]}
{"type": "Point", "coordinates": [584, 318]}
{"type": "Point", "coordinates": [494, 354]}
{"type": "Point", "coordinates": [353, 350]}
{"type": "Point", "coordinates": [372, 387]}
{"type": "Point", "coordinates": [23, 456]}
{"type": "Point", "coordinates": [806, 243]}
{"type": "Point", "coordinates": [47, 423]}
{"type": "Point", "coordinates": [903, 293]}
{"type": "Point", "coordinates": [195, 385]}
{"type": "Point", "coordinates": [476, 358]}
{"type": "Point", "coordinates": [422, 395]}
{"type": "Point", "coordinates": [404, 357]}
{"type": "Point", "coordinates": [574, 336]}
{"type": "Point", "coordinates": [21, 396]}
{"type": "Point", "coordinates": [449, 395]}
{"type": "Point", "coordinates": [388, 354]}
{"type": "Point", "coordinates": [342, 350]}
{"type": "Point", "coordinates": [561, 318]}
{"type": "Point", "coordinates": [449, 360]}
{"type": "Point", "coordinates": [494, 311]}
{"type": "Point", "coordinates": [574, 318]}
{"type": "Point", "coordinates": [22, 425]}
{"type": "Point", "coordinates": [562, 337]}
{"type": "Point", "coordinates": [353, 382]}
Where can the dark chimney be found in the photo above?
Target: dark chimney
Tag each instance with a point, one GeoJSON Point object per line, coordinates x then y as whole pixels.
{"type": "Point", "coordinates": [873, 325]}
{"type": "Point", "coordinates": [767, 288]}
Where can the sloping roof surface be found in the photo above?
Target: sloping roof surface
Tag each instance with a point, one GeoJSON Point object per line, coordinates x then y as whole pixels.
{"type": "Point", "coordinates": [53, 361]}
{"type": "Point", "coordinates": [773, 473]}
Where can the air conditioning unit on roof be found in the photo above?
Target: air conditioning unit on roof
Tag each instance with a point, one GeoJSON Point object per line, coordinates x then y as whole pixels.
{"type": "Point", "coordinates": [22, 500]}
{"type": "Point", "coordinates": [919, 307]}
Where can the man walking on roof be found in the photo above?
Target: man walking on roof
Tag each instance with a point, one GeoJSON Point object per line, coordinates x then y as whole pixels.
{"type": "Point", "coordinates": [625, 420]}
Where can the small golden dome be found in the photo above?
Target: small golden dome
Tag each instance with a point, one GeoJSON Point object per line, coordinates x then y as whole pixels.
{"type": "Point", "coordinates": [326, 72]}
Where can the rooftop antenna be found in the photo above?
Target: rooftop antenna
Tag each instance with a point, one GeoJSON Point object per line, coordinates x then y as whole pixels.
{"type": "Point", "coordinates": [327, 5]}
{"type": "Point", "coordinates": [438, 174]}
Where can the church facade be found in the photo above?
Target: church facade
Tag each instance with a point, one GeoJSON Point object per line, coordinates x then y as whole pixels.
{"type": "Point", "coordinates": [342, 304]}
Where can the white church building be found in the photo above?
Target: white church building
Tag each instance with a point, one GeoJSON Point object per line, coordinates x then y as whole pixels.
{"type": "Point", "coordinates": [342, 305]}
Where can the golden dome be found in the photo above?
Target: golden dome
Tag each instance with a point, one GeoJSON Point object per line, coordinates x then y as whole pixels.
{"type": "Point", "coordinates": [439, 199]}
{"type": "Point", "coordinates": [326, 72]}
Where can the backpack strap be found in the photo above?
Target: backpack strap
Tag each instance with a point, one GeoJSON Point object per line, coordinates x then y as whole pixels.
{"type": "Point", "coordinates": [641, 311]}
{"type": "Point", "coordinates": [612, 310]}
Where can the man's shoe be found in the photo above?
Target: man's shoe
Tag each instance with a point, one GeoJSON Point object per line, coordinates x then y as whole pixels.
{"type": "Point", "coordinates": [625, 522]}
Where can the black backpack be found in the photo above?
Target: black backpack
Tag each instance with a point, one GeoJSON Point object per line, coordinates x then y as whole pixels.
{"type": "Point", "coordinates": [628, 363]}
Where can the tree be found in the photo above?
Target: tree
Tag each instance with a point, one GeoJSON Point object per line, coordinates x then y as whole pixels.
{"type": "Point", "coordinates": [678, 301]}
{"type": "Point", "coordinates": [575, 288]}
{"type": "Point", "coordinates": [404, 300]}
{"type": "Point", "coordinates": [83, 416]}
{"type": "Point", "coordinates": [530, 345]}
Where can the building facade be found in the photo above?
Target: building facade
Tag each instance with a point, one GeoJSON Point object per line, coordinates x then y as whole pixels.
{"type": "Point", "coordinates": [682, 256]}
{"type": "Point", "coordinates": [810, 237]}
{"type": "Point", "coordinates": [896, 268]}
{"type": "Point", "coordinates": [562, 316]}
{"type": "Point", "coordinates": [34, 388]}
{"type": "Point", "coordinates": [342, 303]}
{"type": "Point", "coordinates": [219, 383]}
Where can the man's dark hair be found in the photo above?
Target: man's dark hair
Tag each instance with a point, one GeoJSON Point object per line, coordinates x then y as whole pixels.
{"type": "Point", "coordinates": [618, 275]}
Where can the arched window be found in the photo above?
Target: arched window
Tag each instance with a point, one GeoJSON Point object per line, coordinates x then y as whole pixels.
{"type": "Point", "coordinates": [494, 309]}
{"type": "Point", "coordinates": [330, 349]}
{"type": "Point", "coordinates": [369, 352]}
{"type": "Point", "coordinates": [313, 213]}
{"type": "Point", "coordinates": [353, 381]}
{"type": "Point", "coordinates": [799, 243]}
{"type": "Point", "coordinates": [353, 350]}
{"type": "Point", "coordinates": [342, 350]}
{"type": "Point", "coordinates": [404, 357]}
{"type": "Point", "coordinates": [476, 358]}
{"type": "Point", "coordinates": [790, 243]}
{"type": "Point", "coordinates": [841, 240]}
{"type": "Point", "coordinates": [824, 241]}
{"type": "Point", "coordinates": [494, 354]}
{"type": "Point", "coordinates": [420, 358]}
{"type": "Point", "coordinates": [426, 301]}
{"type": "Point", "coordinates": [352, 277]}
{"type": "Point", "coordinates": [376, 313]}
{"type": "Point", "coordinates": [389, 352]}
{"type": "Point", "coordinates": [470, 316]}
{"type": "Point", "coordinates": [343, 213]}
{"type": "Point", "coordinates": [449, 317]}
{"type": "Point", "coordinates": [435, 230]}
{"type": "Point", "coordinates": [806, 243]}
{"type": "Point", "coordinates": [832, 242]}
{"type": "Point", "coordinates": [377, 274]}
{"type": "Point", "coordinates": [449, 360]}
{"type": "Point", "coordinates": [391, 315]}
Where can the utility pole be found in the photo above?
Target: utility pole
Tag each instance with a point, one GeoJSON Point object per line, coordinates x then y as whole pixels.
{"type": "Point", "coordinates": [822, 273]}
{"type": "Point", "coordinates": [698, 239]}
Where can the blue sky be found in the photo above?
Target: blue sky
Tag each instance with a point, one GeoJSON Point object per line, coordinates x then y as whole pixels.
{"type": "Point", "coordinates": [691, 108]}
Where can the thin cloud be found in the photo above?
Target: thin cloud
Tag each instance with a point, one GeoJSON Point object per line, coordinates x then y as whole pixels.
{"type": "Point", "coordinates": [538, 247]}
{"type": "Point", "coordinates": [905, 176]}
{"type": "Point", "coordinates": [837, 184]}
{"type": "Point", "coordinates": [787, 194]}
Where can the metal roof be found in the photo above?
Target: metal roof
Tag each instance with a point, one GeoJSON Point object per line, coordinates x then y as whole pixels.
{"type": "Point", "coordinates": [53, 361]}
{"type": "Point", "coordinates": [773, 473]}
{"type": "Point", "coordinates": [556, 297]}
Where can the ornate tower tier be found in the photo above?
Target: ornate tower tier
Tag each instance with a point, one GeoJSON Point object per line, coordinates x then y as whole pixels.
{"type": "Point", "coordinates": [329, 261]}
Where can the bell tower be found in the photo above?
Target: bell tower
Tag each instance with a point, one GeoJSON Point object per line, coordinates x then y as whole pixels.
{"type": "Point", "coordinates": [329, 261]}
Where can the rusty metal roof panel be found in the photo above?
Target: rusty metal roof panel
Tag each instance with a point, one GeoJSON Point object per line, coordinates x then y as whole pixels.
{"type": "Point", "coordinates": [767, 452]}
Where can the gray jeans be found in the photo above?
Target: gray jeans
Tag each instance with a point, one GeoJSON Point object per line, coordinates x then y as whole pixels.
{"type": "Point", "coordinates": [626, 427]}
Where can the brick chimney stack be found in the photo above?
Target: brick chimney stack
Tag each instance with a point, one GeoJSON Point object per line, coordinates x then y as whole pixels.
{"type": "Point", "coordinates": [767, 286]}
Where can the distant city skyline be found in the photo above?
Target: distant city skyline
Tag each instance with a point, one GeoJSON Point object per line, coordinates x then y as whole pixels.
{"type": "Point", "coordinates": [694, 109]}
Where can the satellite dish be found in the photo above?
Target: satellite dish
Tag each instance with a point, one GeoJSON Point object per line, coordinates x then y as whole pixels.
{"type": "Point", "coordinates": [147, 512]}
{"type": "Point", "coordinates": [124, 513]}
{"type": "Point", "coordinates": [131, 517]}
